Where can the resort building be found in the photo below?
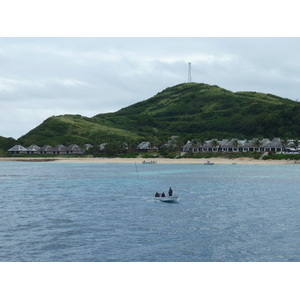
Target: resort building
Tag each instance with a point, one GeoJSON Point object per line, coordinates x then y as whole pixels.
{"type": "Point", "coordinates": [59, 149]}
{"type": "Point", "coordinates": [33, 149]}
{"type": "Point", "coordinates": [214, 145]}
{"type": "Point", "coordinates": [235, 145]}
{"type": "Point", "coordinates": [275, 145]}
{"type": "Point", "coordinates": [17, 149]}
{"type": "Point", "coordinates": [74, 149]}
{"type": "Point", "coordinates": [47, 149]}
{"type": "Point", "coordinates": [146, 147]}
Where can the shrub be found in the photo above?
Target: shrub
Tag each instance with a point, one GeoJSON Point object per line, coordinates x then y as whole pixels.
{"type": "Point", "coordinates": [149, 156]}
{"type": "Point", "coordinates": [282, 156]}
{"type": "Point", "coordinates": [129, 155]}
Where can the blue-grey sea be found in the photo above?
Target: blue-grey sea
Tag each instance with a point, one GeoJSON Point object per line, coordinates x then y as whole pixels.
{"type": "Point", "coordinates": [85, 212]}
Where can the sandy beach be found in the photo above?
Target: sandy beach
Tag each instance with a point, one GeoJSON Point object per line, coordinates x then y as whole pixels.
{"type": "Point", "coordinates": [242, 161]}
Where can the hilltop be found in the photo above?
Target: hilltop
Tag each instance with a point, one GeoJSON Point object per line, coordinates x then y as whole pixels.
{"type": "Point", "coordinates": [189, 110]}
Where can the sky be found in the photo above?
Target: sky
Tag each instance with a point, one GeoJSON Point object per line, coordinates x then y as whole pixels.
{"type": "Point", "coordinates": [43, 77]}
{"type": "Point", "coordinates": [78, 61]}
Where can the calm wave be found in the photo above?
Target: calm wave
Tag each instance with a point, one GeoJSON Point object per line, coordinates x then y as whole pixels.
{"type": "Point", "coordinates": [107, 212]}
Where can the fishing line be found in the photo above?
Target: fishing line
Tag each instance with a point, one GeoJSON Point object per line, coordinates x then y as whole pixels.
{"type": "Point", "coordinates": [137, 172]}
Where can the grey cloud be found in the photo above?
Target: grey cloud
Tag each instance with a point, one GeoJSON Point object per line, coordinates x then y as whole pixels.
{"type": "Point", "coordinates": [40, 77]}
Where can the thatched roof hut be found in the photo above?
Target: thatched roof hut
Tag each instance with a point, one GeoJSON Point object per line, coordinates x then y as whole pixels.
{"type": "Point", "coordinates": [274, 145]}
{"type": "Point", "coordinates": [47, 149]}
{"type": "Point", "coordinates": [74, 149]}
{"type": "Point", "coordinates": [33, 149]}
{"type": "Point", "coordinates": [59, 149]}
{"type": "Point", "coordinates": [17, 149]}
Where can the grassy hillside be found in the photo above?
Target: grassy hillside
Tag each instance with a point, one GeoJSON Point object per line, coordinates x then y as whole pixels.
{"type": "Point", "coordinates": [69, 129]}
{"type": "Point", "coordinates": [190, 109]}
{"type": "Point", "coordinates": [209, 110]}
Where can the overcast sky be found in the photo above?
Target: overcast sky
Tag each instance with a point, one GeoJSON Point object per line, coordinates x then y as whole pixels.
{"type": "Point", "coordinates": [42, 77]}
{"type": "Point", "coordinates": [52, 75]}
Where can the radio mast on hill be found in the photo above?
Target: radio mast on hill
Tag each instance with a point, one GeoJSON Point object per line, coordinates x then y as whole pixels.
{"type": "Point", "coordinates": [190, 73]}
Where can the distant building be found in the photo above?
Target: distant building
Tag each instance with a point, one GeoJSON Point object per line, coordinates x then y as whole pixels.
{"type": "Point", "coordinates": [74, 149]}
{"type": "Point", "coordinates": [33, 149]}
{"type": "Point", "coordinates": [146, 147]}
{"type": "Point", "coordinates": [102, 146]}
{"type": "Point", "coordinates": [87, 146]}
{"type": "Point", "coordinates": [59, 149]}
{"type": "Point", "coordinates": [47, 149]}
{"type": "Point", "coordinates": [17, 149]}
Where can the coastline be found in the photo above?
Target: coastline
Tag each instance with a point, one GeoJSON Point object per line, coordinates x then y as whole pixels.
{"type": "Point", "coordinates": [217, 160]}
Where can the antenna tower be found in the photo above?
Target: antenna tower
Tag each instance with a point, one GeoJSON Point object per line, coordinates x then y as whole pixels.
{"type": "Point", "coordinates": [190, 72]}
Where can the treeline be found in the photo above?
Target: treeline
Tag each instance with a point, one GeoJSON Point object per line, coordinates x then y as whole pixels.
{"type": "Point", "coordinates": [5, 144]}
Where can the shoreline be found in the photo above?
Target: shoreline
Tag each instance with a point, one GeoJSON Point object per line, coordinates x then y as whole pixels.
{"type": "Point", "coordinates": [217, 160]}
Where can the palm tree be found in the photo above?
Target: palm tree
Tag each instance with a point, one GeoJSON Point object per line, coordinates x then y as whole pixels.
{"type": "Point", "coordinates": [178, 143]}
{"type": "Point", "coordinates": [194, 144]}
{"type": "Point", "coordinates": [235, 143]}
{"type": "Point", "coordinates": [257, 143]}
{"type": "Point", "coordinates": [201, 141]}
{"type": "Point", "coordinates": [153, 142]}
{"type": "Point", "coordinates": [215, 143]}
{"type": "Point", "coordinates": [285, 142]}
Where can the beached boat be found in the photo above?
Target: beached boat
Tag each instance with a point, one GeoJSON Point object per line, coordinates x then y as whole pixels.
{"type": "Point", "coordinates": [174, 198]}
{"type": "Point", "coordinates": [149, 162]}
{"type": "Point", "coordinates": [208, 163]}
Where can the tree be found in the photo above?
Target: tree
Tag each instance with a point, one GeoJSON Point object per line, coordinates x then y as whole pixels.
{"type": "Point", "coordinates": [154, 141]}
{"type": "Point", "coordinates": [215, 143]}
{"type": "Point", "coordinates": [235, 143]}
{"type": "Point", "coordinates": [201, 141]}
{"type": "Point", "coordinates": [178, 143]}
{"type": "Point", "coordinates": [114, 148]}
{"type": "Point", "coordinates": [257, 143]}
{"type": "Point", "coordinates": [285, 142]}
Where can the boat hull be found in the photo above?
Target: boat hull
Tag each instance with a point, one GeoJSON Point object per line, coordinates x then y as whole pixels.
{"type": "Point", "coordinates": [174, 198]}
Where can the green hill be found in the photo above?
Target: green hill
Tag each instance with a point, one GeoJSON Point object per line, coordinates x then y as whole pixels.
{"type": "Point", "coordinates": [189, 109]}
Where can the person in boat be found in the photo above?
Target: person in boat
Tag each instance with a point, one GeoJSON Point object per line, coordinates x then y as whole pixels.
{"type": "Point", "coordinates": [163, 194]}
{"type": "Point", "coordinates": [170, 192]}
{"type": "Point", "coordinates": [157, 194]}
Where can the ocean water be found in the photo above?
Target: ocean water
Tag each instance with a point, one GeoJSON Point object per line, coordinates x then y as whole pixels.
{"type": "Point", "coordinates": [64, 212]}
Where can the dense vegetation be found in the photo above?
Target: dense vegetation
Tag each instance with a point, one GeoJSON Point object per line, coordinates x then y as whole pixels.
{"type": "Point", "coordinates": [190, 110]}
{"type": "Point", "coordinates": [6, 143]}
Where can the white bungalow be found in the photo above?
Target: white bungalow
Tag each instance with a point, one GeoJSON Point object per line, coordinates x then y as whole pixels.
{"type": "Point", "coordinates": [231, 146]}
{"type": "Point", "coordinates": [146, 147]}
{"type": "Point", "coordinates": [59, 149]}
{"type": "Point", "coordinates": [33, 149]}
{"type": "Point", "coordinates": [74, 149]}
{"type": "Point", "coordinates": [17, 149]}
{"type": "Point", "coordinates": [275, 145]}
{"type": "Point", "coordinates": [47, 149]}
{"type": "Point", "coordinates": [211, 146]}
{"type": "Point", "coordinates": [250, 145]}
{"type": "Point", "coordinates": [187, 146]}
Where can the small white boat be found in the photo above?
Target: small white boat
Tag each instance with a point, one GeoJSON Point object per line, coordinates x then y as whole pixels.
{"type": "Point", "coordinates": [149, 162]}
{"type": "Point", "coordinates": [208, 163]}
{"type": "Point", "coordinates": [174, 198]}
